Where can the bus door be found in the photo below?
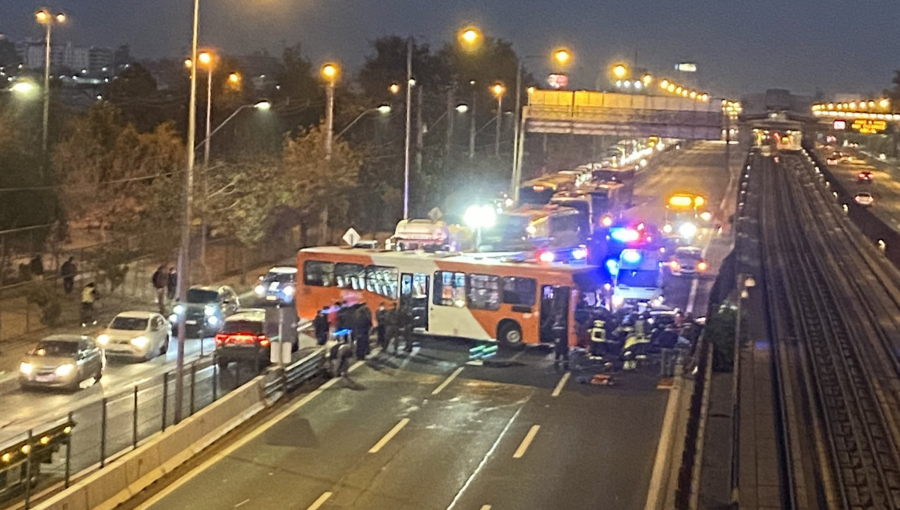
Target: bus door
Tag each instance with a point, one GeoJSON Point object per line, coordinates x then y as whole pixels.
{"type": "Point", "coordinates": [554, 304]}
{"type": "Point", "coordinates": [414, 295]}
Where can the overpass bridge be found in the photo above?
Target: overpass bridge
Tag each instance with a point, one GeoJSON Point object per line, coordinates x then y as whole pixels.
{"type": "Point", "coordinates": [583, 112]}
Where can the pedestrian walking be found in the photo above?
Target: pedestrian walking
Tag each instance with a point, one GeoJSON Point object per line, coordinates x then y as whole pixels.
{"type": "Point", "coordinates": [172, 283]}
{"type": "Point", "coordinates": [362, 329]}
{"type": "Point", "coordinates": [320, 326]}
{"type": "Point", "coordinates": [159, 280]}
{"type": "Point", "coordinates": [68, 271]}
{"type": "Point", "coordinates": [381, 326]}
{"type": "Point", "coordinates": [340, 358]}
{"type": "Point", "coordinates": [405, 325]}
{"type": "Point", "coordinates": [88, 296]}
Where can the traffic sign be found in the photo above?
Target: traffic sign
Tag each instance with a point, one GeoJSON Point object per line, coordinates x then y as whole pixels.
{"type": "Point", "coordinates": [351, 237]}
{"type": "Point", "coordinates": [435, 214]}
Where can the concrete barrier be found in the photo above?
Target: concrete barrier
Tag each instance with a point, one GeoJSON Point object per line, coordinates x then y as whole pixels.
{"type": "Point", "coordinates": [136, 470]}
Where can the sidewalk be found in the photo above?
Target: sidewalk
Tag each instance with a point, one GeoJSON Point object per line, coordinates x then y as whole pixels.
{"type": "Point", "coordinates": [135, 294]}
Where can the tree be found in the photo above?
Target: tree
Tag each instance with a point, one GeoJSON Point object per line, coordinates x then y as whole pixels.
{"type": "Point", "coordinates": [314, 186]}
{"type": "Point", "coordinates": [106, 167]}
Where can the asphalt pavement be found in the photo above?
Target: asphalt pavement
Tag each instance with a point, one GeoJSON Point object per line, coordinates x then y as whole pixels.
{"type": "Point", "coordinates": [428, 431]}
{"type": "Point", "coordinates": [697, 168]}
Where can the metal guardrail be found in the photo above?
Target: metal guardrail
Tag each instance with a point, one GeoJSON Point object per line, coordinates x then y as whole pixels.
{"type": "Point", "coordinates": [112, 425]}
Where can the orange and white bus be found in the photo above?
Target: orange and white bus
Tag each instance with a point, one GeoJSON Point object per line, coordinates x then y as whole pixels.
{"type": "Point", "coordinates": [454, 295]}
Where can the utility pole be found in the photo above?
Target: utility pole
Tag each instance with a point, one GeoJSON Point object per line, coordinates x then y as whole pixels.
{"type": "Point", "coordinates": [184, 263]}
{"type": "Point", "coordinates": [409, 85]}
{"type": "Point", "coordinates": [329, 142]}
{"type": "Point", "coordinates": [472, 122]}
{"type": "Point", "coordinates": [420, 131]}
{"type": "Point", "coordinates": [450, 117]}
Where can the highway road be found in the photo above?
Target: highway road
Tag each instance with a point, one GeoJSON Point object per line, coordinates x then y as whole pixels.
{"type": "Point", "coordinates": [885, 187]}
{"type": "Point", "coordinates": [697, 168]}
{"type": "Point", "coordinates": [431, 432]}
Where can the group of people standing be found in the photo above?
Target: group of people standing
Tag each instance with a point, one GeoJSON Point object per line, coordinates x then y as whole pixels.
{"type": "Point", "coordinates": [351, 327]}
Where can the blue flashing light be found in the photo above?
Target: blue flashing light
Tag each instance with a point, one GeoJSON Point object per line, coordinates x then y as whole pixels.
{"type": "Point", "coordinates": [624, 235]}
{"type": "Point", "coordinates": [631, 256]}
{"type": "Point", "coordinates": [612, 266]}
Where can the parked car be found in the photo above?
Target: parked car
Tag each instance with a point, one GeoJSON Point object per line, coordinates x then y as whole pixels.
{"type": "Point", "coordinates": [243, 338]}
{"type": "Point", "coordinates": [141, 335]}
{"type": "Point", "coordinates": [205, 308]}
{"type": "Point", "coordinates": [277, 286]}
{"type": "Point", "coordinates": [62, 361]}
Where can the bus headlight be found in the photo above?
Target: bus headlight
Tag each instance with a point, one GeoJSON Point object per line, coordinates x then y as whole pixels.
{"type": "Point", "coordinates": [688, 230]}
{"type": "Point", "coordinates": [103, 339]}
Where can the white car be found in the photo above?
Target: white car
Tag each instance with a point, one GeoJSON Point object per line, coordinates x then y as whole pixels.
{"type": "Point", "coordinates": [141, 335]}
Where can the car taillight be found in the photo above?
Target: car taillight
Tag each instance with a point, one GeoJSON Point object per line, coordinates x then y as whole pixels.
{"type": "Point", "coordinates": [701, 266]}
{"type": "Point", "coordinates": [220, 338]}
{"type": "Point", "coordinates": [263, 340]}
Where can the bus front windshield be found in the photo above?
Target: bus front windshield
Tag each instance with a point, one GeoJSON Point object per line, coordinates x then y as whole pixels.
{"type": "Point", "coordinates": [638, 278]}
{"type": "Point", "coordinates": [509, 233]}
{"type": "Point", "coordinates": [535, 195]}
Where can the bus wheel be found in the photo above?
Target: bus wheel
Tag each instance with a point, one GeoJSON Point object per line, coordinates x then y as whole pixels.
{"type": "Point", "coordinates": [510, 335]}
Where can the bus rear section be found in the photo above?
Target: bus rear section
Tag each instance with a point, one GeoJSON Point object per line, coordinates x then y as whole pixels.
{"type": "Point", "coordinates": [639, 279]}
{"type": "Point", "coordinates": [451, 295]}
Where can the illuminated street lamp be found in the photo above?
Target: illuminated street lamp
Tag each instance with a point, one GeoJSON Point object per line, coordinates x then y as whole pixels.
{"type": "Point", "coordinates": [394, 88]}
{"type": "Point", "coordinates": [234, 79]}
{"type": "Point", "coordinates": [480, 217]}
{"type": "Point", "coordinates": [462, 108]}
{"type": "Point", "coordinates": [562, 56]}
{"type": "Point", "coordinates": [498, 90]}
{"type": "Point", "coordinates": [470, 38]}
{"type": "Point", "coordinates": [330, 74]}
{"type": "Point", "coordinates": [620, 71]}
{"type": "Point", "coordinates": [48, 20]}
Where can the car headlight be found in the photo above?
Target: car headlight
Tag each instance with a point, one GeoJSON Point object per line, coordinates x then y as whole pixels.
{"type": "Point", "coordinates": [259, 289]}
{"type": "Point", "coordinates": [667, 228]}
{"type": "Point", "coordinates": [26, 368]}
{"type": "Point", "coordinates": [140, 341]}
{"type": "Point", "coordinates": [103, 339]}
{"type": "Point", "coordinates": [179, 309]}
{"type": "Point", "coordinates": [212, 320]}
{"type": "Point", "coordinates": [706, 216]}
{"type": "Point", "coordinates": [64, 370]}
{"type": "Point", "coordinates": [209, 310]}
{"type": "Point", "coordinates": [289, 290]}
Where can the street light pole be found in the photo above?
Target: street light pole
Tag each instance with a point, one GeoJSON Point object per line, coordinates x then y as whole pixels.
{"type": "Point", "coordinates": [329, 142]}
{"type": "Point", "coordinates": [517, 108]}
{"type": "Point", "coordinates": [184, 252]}
{"type": "Point", "coordinates": [472, 122]}
{"type": "Point", "coordinates": [204, 225]}
{"type": "Point", "coordinates": [499, 123]}
{"type": "Point", "coordinates": [45, 133]}
{"type": "Point", "coordinates": [409, 86]}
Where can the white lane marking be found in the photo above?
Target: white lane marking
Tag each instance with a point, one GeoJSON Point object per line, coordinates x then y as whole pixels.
{"type": "Point", "coordinates": [561, 384]}
{"type": "Point", "coordinates": [321, 501]}
{"type": "Point", "coordinates": [242, 503]}
{"type": "Point", "coordinates": [520, 452]}
{"type": "Point", "coordinates": [390, 435]}
{"type": "Point", "coordinates": [242, 441]}
{"type": "Point", "coordinates": [447, 381]}
{"type": "Point", "coordinates": [484, 460]}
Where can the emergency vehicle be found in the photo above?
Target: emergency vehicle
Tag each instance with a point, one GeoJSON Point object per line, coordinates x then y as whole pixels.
{"type": "Point", "coordinates": [638, 279]}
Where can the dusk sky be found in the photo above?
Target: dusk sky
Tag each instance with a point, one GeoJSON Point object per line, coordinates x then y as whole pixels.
{"type": "Point", "coordinates": [739, 46]}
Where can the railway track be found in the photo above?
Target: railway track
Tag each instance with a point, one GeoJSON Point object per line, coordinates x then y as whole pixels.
{"type": "Point", "coordinates": [834, 294]}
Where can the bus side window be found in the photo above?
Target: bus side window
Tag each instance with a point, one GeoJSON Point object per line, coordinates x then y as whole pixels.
{"type": "Point", "coordinates": [382, 280]}
{"type": "Point", "coordinates": [449, 289]}
{"type": "Point", "coordinates": [349, 276]}
{"type": "Point", "coordinates": [317, 273]}
{"type": "Point", "coordinates": [519, 291]}
{"type": "Point", "coordinates": [484, 292]}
